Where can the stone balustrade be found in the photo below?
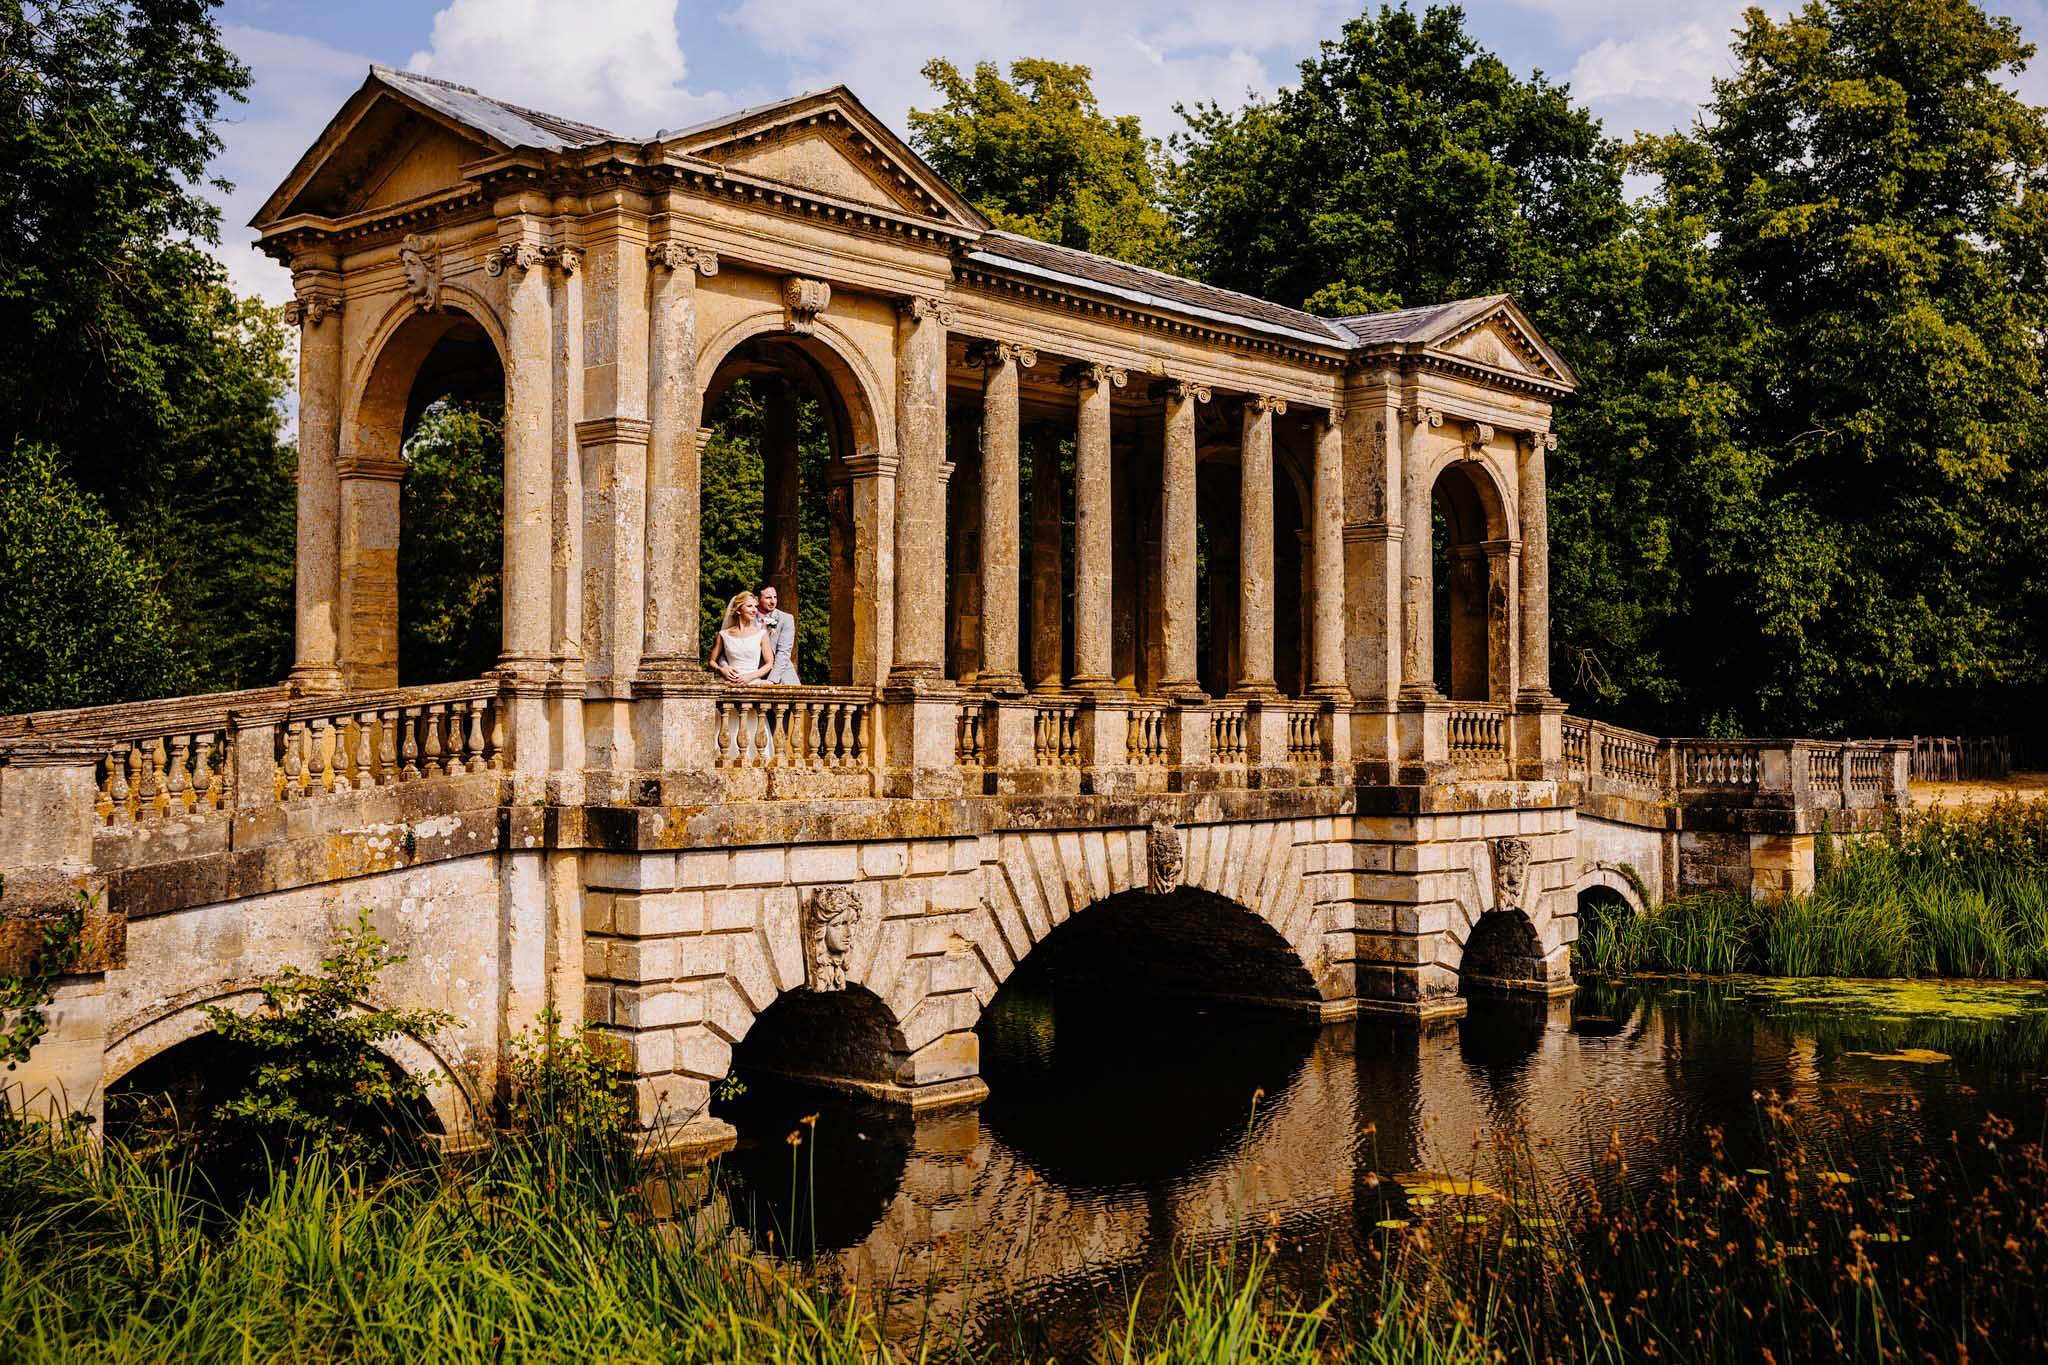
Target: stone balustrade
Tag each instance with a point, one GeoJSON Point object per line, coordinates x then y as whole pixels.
{"type": "Point", "coordinates": [1607, 760]}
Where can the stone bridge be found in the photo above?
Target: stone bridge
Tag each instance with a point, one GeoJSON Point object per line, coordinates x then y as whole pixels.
{"type": "Point", "coordinates": [1187, 701]}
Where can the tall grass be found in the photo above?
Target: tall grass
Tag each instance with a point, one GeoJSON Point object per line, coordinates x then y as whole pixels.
{"type": "Point", "coordinates": [1947, 892]}
{"type": "Point", "coordinates": [1930, 1250]}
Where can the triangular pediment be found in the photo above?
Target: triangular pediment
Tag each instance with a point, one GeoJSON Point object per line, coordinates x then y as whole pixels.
{"type": "Point", "coordinates": [829, 144]}
{"type": "Point", "coordinates": [1499, 336]}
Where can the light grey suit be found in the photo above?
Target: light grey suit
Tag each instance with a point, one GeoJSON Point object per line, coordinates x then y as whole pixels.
{"type": "Point", "coordinates": [781, 628]}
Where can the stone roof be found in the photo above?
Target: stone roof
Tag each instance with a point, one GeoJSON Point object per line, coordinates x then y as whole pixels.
{"type": "Point", "coordinates": [1415, 324]}
{"type": "Point", "coordinates": [1154, 287]}
{"type": "Point", "coordinates": [510, 124]}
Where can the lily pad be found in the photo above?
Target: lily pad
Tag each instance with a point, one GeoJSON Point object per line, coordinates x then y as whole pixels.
{"type": "Point", "coordinates": [1391, 1223]}
{"type": "Point", "coordinates": [1919, 1056]}
{"type": "Point", "coordinates": [1429, 1182]}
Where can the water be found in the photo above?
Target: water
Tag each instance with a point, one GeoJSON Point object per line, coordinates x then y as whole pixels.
{"type": "Point", "coordinates": [1119, 1137]}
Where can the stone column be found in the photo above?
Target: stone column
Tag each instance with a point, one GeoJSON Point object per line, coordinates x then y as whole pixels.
{"type": "Point", "coordinates": [920, 531]}
{"type": "Point", "coordinates": [1093, 599]}
{"type": "Point", "coordinates": [613, 436]}
{"type": "Point", "coordinates": [1255, 553]}
{"type": "Point", "coordinates": [1418, 599]}
{"type": "Point", "coordinates": [1177, 538]}
{"type": "Point", "coordinates": [1533, 497]}
{"type": "Point", "coordinates": [529, 424]}
{"type": "Point", "coordinates": [1048, 595]}
{"type": "Point", "coordinates": [368, 557]}
{"type": "Point", "coordinates": [1001, 538]}
{"type": "Point", "coordinates": [1326, 562]}
{"type": "Point", "coordinates": [675, 403]}
{"type": "Point", "coordinates": [783, 482]}
{"type": "Point", "coordinates": [565, 541]}
{"type": "Point", "coordinates": [317, 313]}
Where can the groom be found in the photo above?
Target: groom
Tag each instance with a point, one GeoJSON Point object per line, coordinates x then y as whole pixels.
{"type": "Point", "coordinates": [781, 636]}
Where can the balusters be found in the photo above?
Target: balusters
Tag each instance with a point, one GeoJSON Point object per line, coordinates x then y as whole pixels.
{"type": "Point", "coordinates": [118, 789]}
{"type": "Point", "coordinates": [477, 762]}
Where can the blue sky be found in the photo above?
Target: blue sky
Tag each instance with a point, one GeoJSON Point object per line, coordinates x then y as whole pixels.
{"type": "Point", "coordinates": [639, 65]}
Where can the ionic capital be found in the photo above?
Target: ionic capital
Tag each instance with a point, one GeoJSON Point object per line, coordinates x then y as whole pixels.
{"type": "Point", "coordinates": [989, 355]}
{"type": "Point", "coordinates": [567, 259]}
{"type": "Point", "coordinates": [519, 256]}
{"type": "Point", "coordinates": [1184, 390]}
{"type": "Point", "coordinates": [1262, 403]}
{"type": "Point", "coordinates": [1094, 374]}
{"type": "Point", "coordinates": [681, 256]}
{"type": "Point", "coordinates": [802, 300]}
{"type": "Point", "coordinates": [919, 307]}
{"type": "Point", "coordinates": [1426, 416]}
{"type": "Point", "coordinates": [312, 307]}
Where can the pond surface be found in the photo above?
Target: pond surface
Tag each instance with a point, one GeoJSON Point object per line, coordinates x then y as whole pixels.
{"type": "Point", "coordinates": [1118, 1138]}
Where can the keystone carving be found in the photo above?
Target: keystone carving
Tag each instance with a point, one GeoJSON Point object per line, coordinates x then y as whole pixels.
{"type": "Point", "coordinates": [1163, 855]}
{"type": "Point", "coordinates": [1482, 437]}
{"type": "Point", "coordinates": [1510, 873]}
{"type": "Point", "coordinates": [422, 267]}
{"type": "Point", "coordinates": [831, 914]}
{"type": "Point", "coordinates": [678, 256]}
{"type": "Point", "coordinates": [802, 301]}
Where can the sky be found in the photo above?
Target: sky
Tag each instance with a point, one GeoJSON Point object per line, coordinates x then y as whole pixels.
{"type": "Point", "coordinates": [637, 66]}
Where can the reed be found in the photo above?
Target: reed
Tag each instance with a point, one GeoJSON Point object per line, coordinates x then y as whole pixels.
{"type": "Point", "coordinates": [1948, 892]}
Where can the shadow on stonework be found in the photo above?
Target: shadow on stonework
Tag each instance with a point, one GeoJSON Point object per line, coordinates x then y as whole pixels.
{"type": "Point", "coordinates": [813, 1171]}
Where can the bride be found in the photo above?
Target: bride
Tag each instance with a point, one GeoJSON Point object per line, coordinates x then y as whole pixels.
{"type": "Point", "coordinates": [739, 654]}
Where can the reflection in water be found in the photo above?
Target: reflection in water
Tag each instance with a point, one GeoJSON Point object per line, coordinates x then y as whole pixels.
{"type": "Point", "coordinates": [1117, 1137]}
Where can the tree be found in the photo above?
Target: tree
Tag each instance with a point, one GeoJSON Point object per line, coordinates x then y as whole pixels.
{"type": "Point", "coordinates": [452, 547]}
{"type": "Point", "coordinates": [1039, 157]}
{"type": "Point", "coordinates": [123, 352]}
{"type": "Point", "coordinates": [1409, 166]}
{"type": "Point", "coordinates": [79, 608]}
{"type": "Point", "coordinates": [1869, 186]}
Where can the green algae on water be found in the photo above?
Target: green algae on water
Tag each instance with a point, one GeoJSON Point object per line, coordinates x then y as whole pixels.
{"type": "Point", "coordinates": [1900, 1000]}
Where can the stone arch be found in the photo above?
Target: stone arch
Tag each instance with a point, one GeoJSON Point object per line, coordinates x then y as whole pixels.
{"type": "Point", "coordinates": [1474, 905]}
{"type": "Point", "coordinates": [1609, 877]}
{"type": "Point", "coordinates": [838, 356]}
{"type": "Point", "coordinates": [1503, 951]}
{"type": "Point", "coordinates": [849, 1035]}
{"type": "Point", "coordinates": [412, 357]}
{"type": "Point", "coordinates": [450, 1092]}
{"type": "Point", "coordinates": [1038, 882]}
{"type": "Point", "coordinates": [1473, 609]}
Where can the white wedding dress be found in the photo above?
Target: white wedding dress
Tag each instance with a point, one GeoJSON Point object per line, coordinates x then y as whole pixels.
{"type": "Point", "coordinates": [743, 656]}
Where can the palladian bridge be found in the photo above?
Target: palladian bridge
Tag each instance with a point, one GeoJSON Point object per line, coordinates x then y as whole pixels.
{"type": "Point", "coordinates": [1197, 634]}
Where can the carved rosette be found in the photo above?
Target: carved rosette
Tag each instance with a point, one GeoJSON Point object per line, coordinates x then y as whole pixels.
{"type": "Point", "coordinates": [1510, 873]}
{"type": "Point", "coordinates": [1163, 856]}
{"type": "Point", "coordinates": [990, 355]}
{"type": "Point", "coordinates": [831, 915]}
{"type": "Point", "coordinates": [802, 301]}
{"type": "Point", "coordinates": [422, 267]}
{"type": "Point", "coordinates": [679, 256]}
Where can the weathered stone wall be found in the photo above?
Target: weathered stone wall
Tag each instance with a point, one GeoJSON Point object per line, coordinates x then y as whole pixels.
{"type": "Point", "coordinates": [1618, 856]}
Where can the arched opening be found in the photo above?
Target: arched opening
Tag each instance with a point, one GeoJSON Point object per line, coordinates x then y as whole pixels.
{"type": "Point", "coordinates": [777, 499]}
{"type": "Point", "coordinates": [422, 479]}
{"type": "Point", "coordinates": [1503, 952]}
{"type": "Point", "coordinates": [1602, 905]}
{"type": "Point", "coordinates": [796, 1141]}
{"type": "Point", "coordinates": [1469, 571]}
{"type": "Point", "coordinates": [1137, 1039]}
{"type": "Point", "coordinates": [168, 1106]}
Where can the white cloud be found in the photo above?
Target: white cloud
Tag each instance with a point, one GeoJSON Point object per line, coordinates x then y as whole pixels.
{"type": "Point", "coordinates": [616, 63]}
{"type": "Point", "coordinates": [1673, 66]}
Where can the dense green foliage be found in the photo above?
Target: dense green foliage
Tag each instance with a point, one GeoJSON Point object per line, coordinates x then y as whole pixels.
{"type": "Point", "coordinates": [80, 610]}
{"type": "Point", "coordinates": [452, 542]}
{"type": "Point", "coordinates": [1943, 893]}
{"type": "Point", "coordinates": [1037, 155]}
{"type": "Point", "coordinates": [316, 1080]}
{"type": "Point", "coordinates": [122, 350]}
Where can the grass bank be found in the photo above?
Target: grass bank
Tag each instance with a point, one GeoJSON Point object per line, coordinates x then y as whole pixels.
{"type": "Point", "coordinates": [1945, 892]}
{"type": "Point", "coordinates": [534, 1253]}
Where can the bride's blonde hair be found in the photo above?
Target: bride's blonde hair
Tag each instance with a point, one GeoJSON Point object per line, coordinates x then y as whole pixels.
{"type": "Point", "coordinates": [732, 609]}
